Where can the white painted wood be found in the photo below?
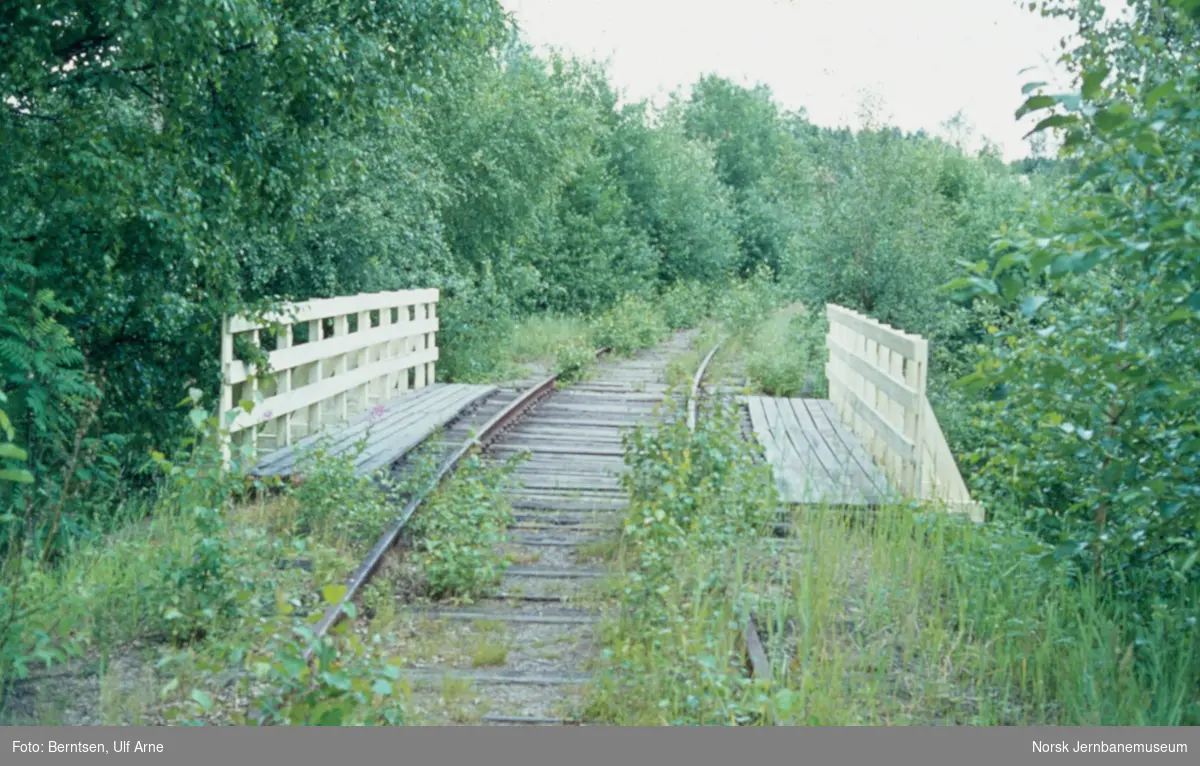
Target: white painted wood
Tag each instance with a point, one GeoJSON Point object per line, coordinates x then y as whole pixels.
{"type": "Point", "coordinates": [325, 308]}
{"type": "Point", "coordinates": [877, 377]}
{"type": "Point", "coordinates": [329, 389]}
{"type": "Point", "coordinates": [863, 325]}
{"type": "Point", "coordinates": [332, 376]}
{"type": "Point", "coordinates": [285, 385]}
{"type": "Point", "coordinates": [226, 403]}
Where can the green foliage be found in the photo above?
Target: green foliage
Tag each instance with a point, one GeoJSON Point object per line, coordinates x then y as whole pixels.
{"type": "Point", "coordinates": [676, 197]}
{"type": "Point", "coordinates": [571, 360]}
{"type": "Point", "coordinates": [347, 682]}
{"type": "Point", "coordinates": [694, 498]}
{"type": "Point", "coordinates": [631, 325]}
{"type": "Point", "coordinates": [1090, 435]}
{"type": "Point", "coordinates": [337, 503]}
{"type": "Point", "coordinates": [686, 304]}
{"type": "Point", "coordinates": [744, 305]}
{"type": "Point", "coordinates": [459, 531]}
{"type": "Point", "coordinates": [755, 157]}
{"type": "Point", "coordinates": [13, 456]}
{"type": "Point", "coordinates": [174, 163]}
{"type": "Point", "coordinates": [197, 579]}
{"type": "Point", "coordinates": [891, 216]}
{"type": "Point", "coordinates": [786, 355]}
{"type": "Point", "coordinates": [699, 489]}
{"type": "Point", "coordinates": [913, 618]}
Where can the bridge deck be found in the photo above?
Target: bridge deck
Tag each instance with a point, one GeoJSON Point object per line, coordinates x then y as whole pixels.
{"type": "Point", "coordinates": [388, 431]}
{"type": "Point", "coordinates": [815, 459]}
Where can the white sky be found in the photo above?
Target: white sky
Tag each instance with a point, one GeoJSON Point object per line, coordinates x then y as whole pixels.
{"type": "Point", "coordinates": [923, 59]}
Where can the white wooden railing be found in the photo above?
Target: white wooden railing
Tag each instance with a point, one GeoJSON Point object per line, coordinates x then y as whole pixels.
{"type": "Point", "coordinates": [330, 359]}
{"type": "Point", "coordinates": [877, 380]}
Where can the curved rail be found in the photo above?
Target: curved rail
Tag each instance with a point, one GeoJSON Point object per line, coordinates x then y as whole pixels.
{"type": "Point", "coordinates": [697, 381]}
{"type": "Point", "coordinates": [759, 663]}
{"type": "Point", "coordinates": [499, 423]}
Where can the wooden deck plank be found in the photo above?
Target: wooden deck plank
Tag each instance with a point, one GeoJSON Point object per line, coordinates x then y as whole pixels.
{"type": "Point", "coordinates": [857, 459]}
{"type": "Point", "coordinates": [809, 474]}
{"type": "Point", "coordinates": [387, 450]}
{"type": "Point", "coordinates": [796, 481]}
{"type": "Point", "coordinates": [813, 457]}
{"type": "Point", "coordinates": [404, 423]}
{"type": "Point", "coordinates": [854, 486]}
{"type": "Point", "coordinates": [773, 452]}
{"type": "Point", "coordinates": [851, 443]}
{"type": "Point", "coordinates": [338, 438]}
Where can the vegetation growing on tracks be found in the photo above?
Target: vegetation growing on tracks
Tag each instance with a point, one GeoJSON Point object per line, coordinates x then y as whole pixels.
{"type": "Point", "coordinates": [906, 616]}
{"type": "Point", "coordinates": [520, 185]}
{"type": "Point", "coordinates": [697, 500]}
{"type": "Point", "coordinates": [458, 533]}
{"type": "Point", "coordinates": [214, 586]}
{"type": "Point", "coordinates": [568, 344]}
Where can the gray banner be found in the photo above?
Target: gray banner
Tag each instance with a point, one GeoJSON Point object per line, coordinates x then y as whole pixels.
{"type": "Point", "coordinates": [43, 746]}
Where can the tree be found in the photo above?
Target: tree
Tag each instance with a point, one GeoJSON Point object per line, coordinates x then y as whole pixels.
{"type": "Point", "coordinates": [1094, 440]}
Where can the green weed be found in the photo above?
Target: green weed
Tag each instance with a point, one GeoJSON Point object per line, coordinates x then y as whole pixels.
{"type": "Point", "coordinates": [631, 325]}
{"type": "Point", "coordinates": [910, 616]}
{"type": "Point", "coordinates": [487, 652]}
{"type": "Point", "coordinates": [459, 532]}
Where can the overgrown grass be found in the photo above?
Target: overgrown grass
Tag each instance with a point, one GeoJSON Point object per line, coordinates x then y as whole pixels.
{"type": "Point", "coordinates": [908, 616]}
{"type": "Point", "coordinates": [924, 618]}
{"type": "Point", "coordinates": [564, 344]}
{"type": "Point", "coordinates": [207, 586]}
{"type": "Point", "coordinates": [538, 338]}
{"type": "Point", "coordinates": [783, 354]}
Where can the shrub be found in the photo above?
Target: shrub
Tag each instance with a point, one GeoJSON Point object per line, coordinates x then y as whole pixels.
{"type": "Point", "coordinates": [633, 324]}
{"type": "Point", "coordinates": [1088, 393]}
{"type": "Point", "coordinates": [458, 533]}
{"type": "Point", "coordinates": [685, 304]}
{"type": "Point", "coordinates": [336, 503]}
{"type": "Point", "coordinates": [572, 360]}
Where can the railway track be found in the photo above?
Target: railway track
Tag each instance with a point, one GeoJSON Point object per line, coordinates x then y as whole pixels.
{"type": "Point", "coordinates": [568, 503]}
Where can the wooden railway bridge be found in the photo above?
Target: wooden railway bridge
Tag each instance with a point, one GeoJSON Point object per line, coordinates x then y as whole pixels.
{"type": "Point", "coordinates": [357, 375]}
{"type": "Point", "coordinates": [361, 370]}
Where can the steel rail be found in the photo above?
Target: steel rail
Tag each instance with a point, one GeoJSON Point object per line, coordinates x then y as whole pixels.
{"type": "Point", "coordinates": [697, 382]}
{"type": "Point", "coordinates": [759, 663]}
{"type": "Point", "coordinates": [499, 423]}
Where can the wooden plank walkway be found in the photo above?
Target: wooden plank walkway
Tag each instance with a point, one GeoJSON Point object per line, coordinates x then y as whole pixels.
{"type": "Point", "coordinates": [815, 459]}
{"type": "Point", "coordinates": [389, 430]}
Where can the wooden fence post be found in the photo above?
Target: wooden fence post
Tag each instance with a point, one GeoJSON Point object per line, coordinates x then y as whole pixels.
{"type": "Point", "coordinates": [226, 403]}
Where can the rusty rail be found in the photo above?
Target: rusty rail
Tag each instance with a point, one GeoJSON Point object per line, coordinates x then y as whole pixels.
{"type": "Point", "coordinates": [697, 381]}
{"type": "Point", "coordinates": [760, 664]}
{"type": "Point", "coordinates": [500, 422]}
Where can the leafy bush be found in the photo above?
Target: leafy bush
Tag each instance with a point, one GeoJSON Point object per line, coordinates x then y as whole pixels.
{"type": "Point", "coordinates": [458, 533]}
{"type": "Point", "coordinates": [694, 499]}
{"type": "Point", "coordinates": [703, 488]}
{"type": "Point", "coordinates": [347, 683]}
{"type": "Point", "coordinates": [337, 503]}
{"type": "Point", "coordinates": [786, 355]}
{"type": "Point", "coordinates": [686, 304]}
{"type": "Point", "coordinates": [632, 324]}
{"type": "Point", "coordinates": [478, 319]}
{"type": "Point", "coordinates": [1088, 392]}
{"type": "Point", "coordinates": [198, 579]}
{"type": "Point", "coordinates": [744, 305]}
{"type": "Point", "coordinates": [571, 361]}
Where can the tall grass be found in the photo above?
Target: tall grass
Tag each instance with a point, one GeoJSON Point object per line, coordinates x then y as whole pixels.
{"type": "Point", "coordinates": [538, 338]}
{"type": "Point", "coordinates": [914, 616]}
{"type": "Point", "coordinates": [906, 615]}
